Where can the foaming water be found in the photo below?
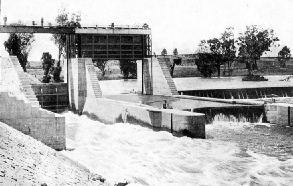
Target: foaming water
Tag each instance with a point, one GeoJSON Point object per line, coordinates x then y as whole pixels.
{"type": "Point", "coordinates": [143, 157]}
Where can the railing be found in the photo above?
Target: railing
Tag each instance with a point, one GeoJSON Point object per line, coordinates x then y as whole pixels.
{"type": "Point", "coordinates": [83, 26]}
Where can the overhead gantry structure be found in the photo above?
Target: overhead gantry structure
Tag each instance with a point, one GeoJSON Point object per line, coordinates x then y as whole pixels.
{"type": "Point", "coordinates": [101, 43]}
{"type": "Point", "coordinates": [98, 43]}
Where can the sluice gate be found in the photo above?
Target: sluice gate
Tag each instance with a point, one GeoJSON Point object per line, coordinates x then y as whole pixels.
{"type": "Point", "coordinates": [53, 96]}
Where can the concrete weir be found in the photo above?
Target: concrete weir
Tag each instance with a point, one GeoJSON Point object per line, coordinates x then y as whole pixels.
{"type": "Point", "coordinates": [86, 98]}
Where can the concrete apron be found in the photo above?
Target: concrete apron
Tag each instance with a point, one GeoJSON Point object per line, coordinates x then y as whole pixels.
{"type": "Point", "coordinates": [175, 121]}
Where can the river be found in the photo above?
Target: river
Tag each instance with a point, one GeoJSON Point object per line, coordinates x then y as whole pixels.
{"type": "Point", "coordinates": [234, 153]}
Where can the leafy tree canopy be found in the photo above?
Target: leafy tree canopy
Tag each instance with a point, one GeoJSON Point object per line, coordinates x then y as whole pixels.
{"type": "Point", "coordinates": [47, 63]}
{"type": "Point", "coordinates": [221, 51]}
{"type": "Point", "coordinates": [64, 19]}
{"type": "Point", "coordinates": [205, 64]}
{"type": "Point", "coordinates": [101, 64]}
{"type": "Point", "coordinates": [284, 55]}
{"type": "Point", "coordinates": [164, 52]}
{"type": "Point", "coordinates": [128, 68]}
{"type": "Point", "coordinates": [253, 43]}
{"type": "Point", "coordinates": [203, 47]}
{"type": "Point", "coordinates": [19, 44]}
{"type": "Point", "coordinates": [175, 52]}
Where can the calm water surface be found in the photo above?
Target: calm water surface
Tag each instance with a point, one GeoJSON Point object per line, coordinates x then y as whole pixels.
{"type": "Point", "coordinates": [198, 83]}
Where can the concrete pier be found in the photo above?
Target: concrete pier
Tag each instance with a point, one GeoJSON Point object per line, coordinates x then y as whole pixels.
{"type": "Point", "coordinates": [279, 113]}
{"type": "Point", "coordinates": [154, 78]}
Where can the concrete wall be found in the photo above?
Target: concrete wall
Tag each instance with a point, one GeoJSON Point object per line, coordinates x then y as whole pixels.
{"type": "Point", "coordinates": [279, 113]}
{"type": "Point", "coordinates": [83, 82]}
{"type": "Point", "coordinates": [20, 109]}
{"type": "Point", "coordinates": [160, 83]}
{"type": "Point", "coordinates": [144, 77]}
{"type": "Point", "coordinates": [40, 124]}
{"type": "Point", "coordinates": [153, 78]}
{"type": "Point", "coordinates": [139, 76]}
{"type": "Point", "coordinates": [113, 111]}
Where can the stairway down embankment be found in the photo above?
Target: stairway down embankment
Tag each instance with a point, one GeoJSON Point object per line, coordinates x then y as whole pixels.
{"type": "Point", "coordinates": [24, 81]}
{"type": "Point", "coordinates": [166, 72]}
{"type": "Point", "coordinates": [21, 110]}
{"type": "Point", "coordinates": [93, 78]}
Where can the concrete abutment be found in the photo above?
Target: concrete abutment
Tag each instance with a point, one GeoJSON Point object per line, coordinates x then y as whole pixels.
{"type": "Point", "coordinates": [21, 110]}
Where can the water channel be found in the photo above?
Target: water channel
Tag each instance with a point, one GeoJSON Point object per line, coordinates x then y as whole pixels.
{"type": "Point", "coordinates": [236, 152]}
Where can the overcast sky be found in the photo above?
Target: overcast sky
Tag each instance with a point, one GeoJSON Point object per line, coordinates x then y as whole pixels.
{"type": "Point", "coordinates": [175, 23]}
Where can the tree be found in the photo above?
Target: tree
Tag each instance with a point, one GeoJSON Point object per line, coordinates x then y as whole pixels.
{"type": "Point", "coordinates": [164, 52]}
{"type": "Point", "coordinates": [253, 43]}
{"type": "Point", "coordinates": [19, 44]}
{"type": "Point", "coordinates": [175, 52]}
{"type": "Point", "coordinates": [56, 71]}
{"type": "Point", "coordinates": [128, 68]}
{"type": "Point", "coordinates": [47, 63]}
{"type": "Point", "coordinates": [101, 64]}
{"type": "Point", "coordinates": [203, 47]}
{"type": "Point", "coordinates": [62, 19]}
{"type": "Point", "coordinates": [12, 45]}
{"type": "Point", "coordinates": [223, 49]}
{"type": "Point", "coordinates": [176, 61]}
{"type": "Point", "coordinates": [205, 64]}
{"type": "Point", "coordinates": [228, 49]}
{"type": "Point", "coordinates": [216, 52]}
{"type": "Point", "coordinates": [283, 56]}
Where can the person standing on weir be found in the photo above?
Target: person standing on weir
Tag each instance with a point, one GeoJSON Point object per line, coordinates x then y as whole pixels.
{"type": "Point", "coordinates": [165, 104]}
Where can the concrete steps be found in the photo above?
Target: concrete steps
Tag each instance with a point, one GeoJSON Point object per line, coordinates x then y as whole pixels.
{"type": "Point", "coordinates": [24, 81]}
{"type": "Point", "coordinates": [168, 77]}
{"type": "Point", "coordinates": [94, 80]}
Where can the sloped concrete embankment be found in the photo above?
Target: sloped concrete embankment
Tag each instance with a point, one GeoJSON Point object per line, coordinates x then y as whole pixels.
{"type": "Point", "coordinates": [26, 161]}
{"type": "Point", "coordinates": [21, 110]}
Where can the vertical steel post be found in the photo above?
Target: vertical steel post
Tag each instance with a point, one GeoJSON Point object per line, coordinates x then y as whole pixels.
{"type": "Point", "coordinates": [143, 43]}
{"type": "Point", "coordinates": [171, 123]}
{"type": "Point", "coordinates": [57, 99]}
{"type": "Point", "coordinates": [67, 56]}
{"type": "Point", "coordinates": [79, 52]}
{"type": "Point", "coordinates": [151, 54]}
{"type": "Point", "coordinates": [289, 116]}
{"type": "Point", "coordinates": [42, 98]}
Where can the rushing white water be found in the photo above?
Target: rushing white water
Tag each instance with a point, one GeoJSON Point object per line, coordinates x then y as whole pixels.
{"type": "Point", "coordinates": [125, 152]}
